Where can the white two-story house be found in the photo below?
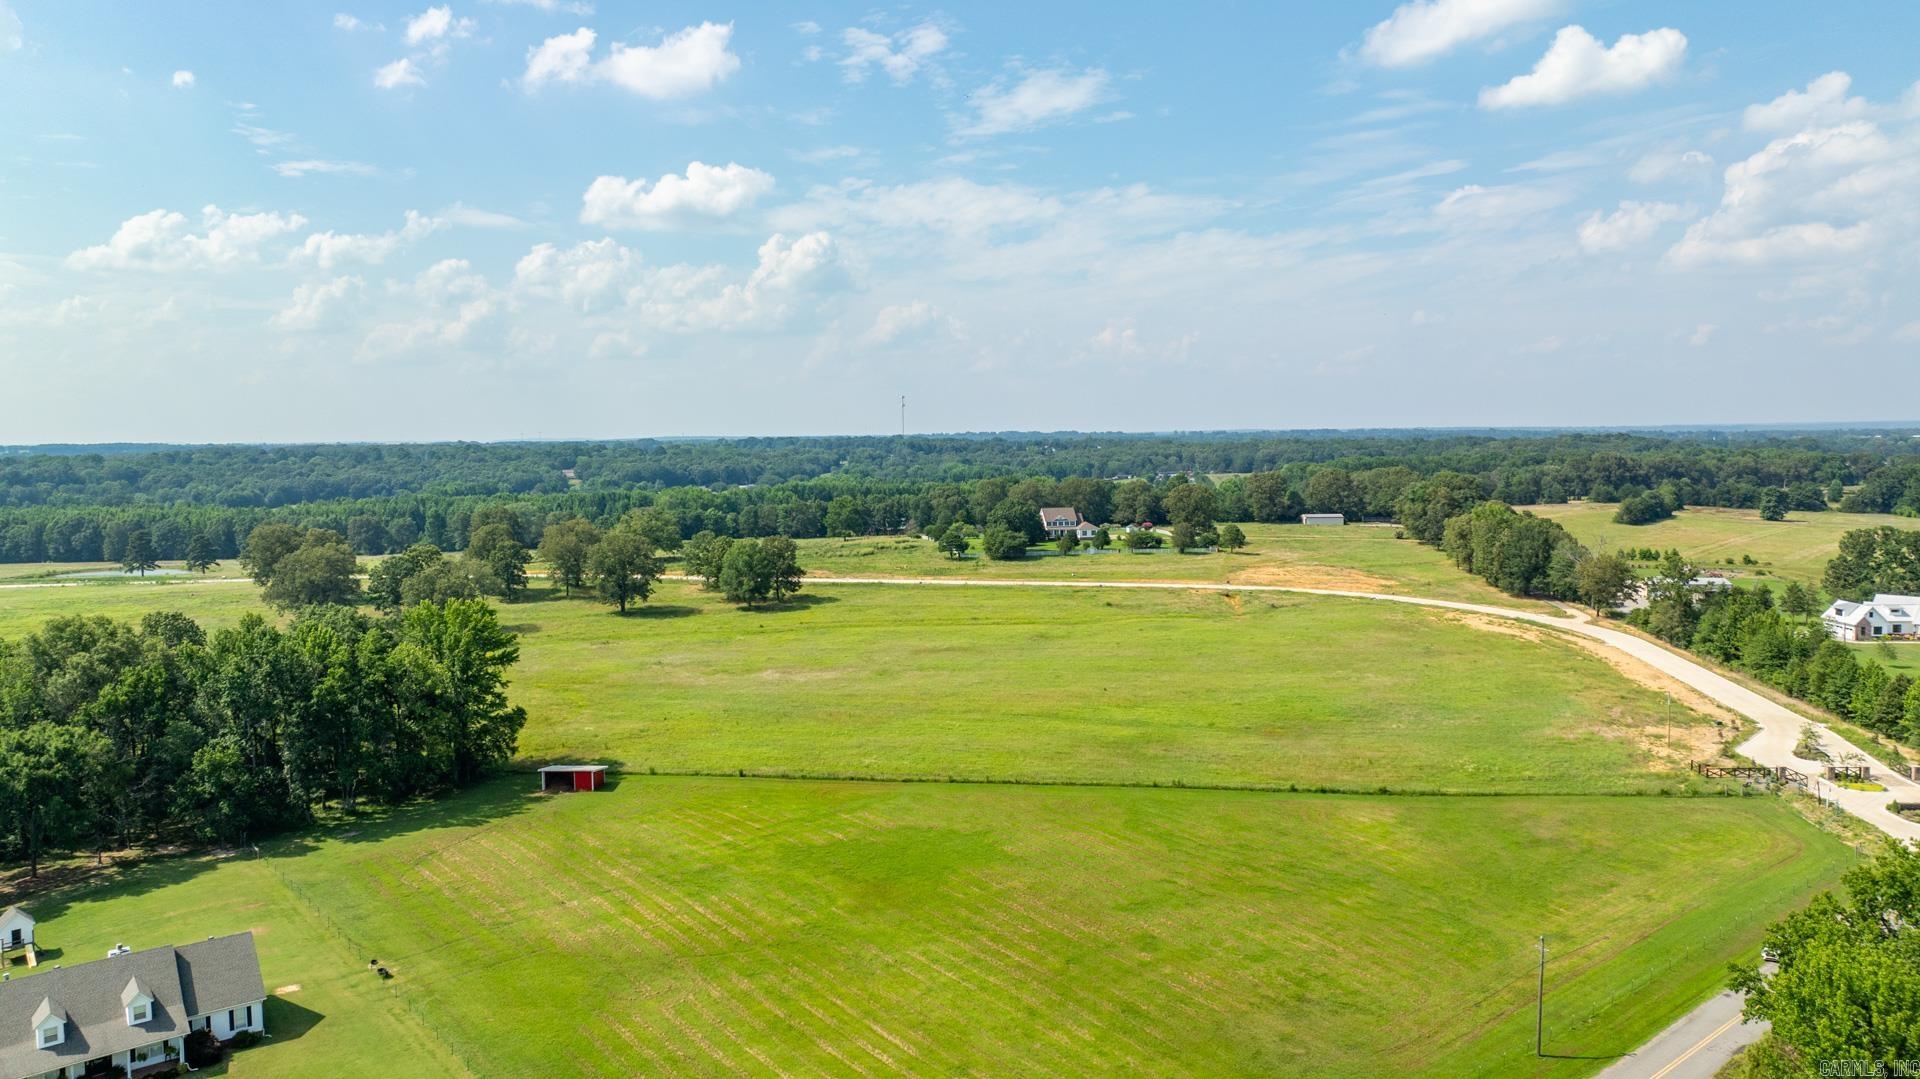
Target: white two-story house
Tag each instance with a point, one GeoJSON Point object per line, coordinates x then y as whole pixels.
{"type": "Point", "coordinates": [1885, 615]}
{"type": "Point", "coordinates": [130, 1012]}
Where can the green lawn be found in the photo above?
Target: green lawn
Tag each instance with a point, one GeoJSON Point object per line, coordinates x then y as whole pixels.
{"type": "Point", "coordinates": [737, 924]}
{"type": "Point", "coordinates": [726, 926]}
{"type": "Point", "coordinates": [1364, 558]}
{"type": "Point", "coordinates": [1898, 657]}
{"type": "Point", "coordinates": [1045, 684]}
{"type": "Point", "coordinates": [1797, 548]}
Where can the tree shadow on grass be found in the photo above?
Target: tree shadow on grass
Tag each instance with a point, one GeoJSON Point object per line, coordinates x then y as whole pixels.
{"type": "Point", "coordinates": [791, 603]}
{"type": "Point", "coordinates": [481, 804]}
{"type": "Point", "coordinates": [664, 610]}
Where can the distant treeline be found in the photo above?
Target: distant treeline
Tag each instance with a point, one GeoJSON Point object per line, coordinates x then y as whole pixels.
{"type": "Point", "coordinates": [1519, 468]}
{"type": "Point", "coordinates": [113, 735]}
{"type": "Point", "coordinates": [82, 508]}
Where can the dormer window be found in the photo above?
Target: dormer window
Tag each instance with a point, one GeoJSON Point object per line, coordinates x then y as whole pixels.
{"type": "Point", "coordinates": [49, 1024]}
{"type": "Point", "coordinates": [138, 1000]}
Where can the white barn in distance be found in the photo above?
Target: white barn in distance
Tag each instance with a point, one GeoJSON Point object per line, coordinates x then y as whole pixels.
{"type": "Point", "coordinates": [1330, 519]}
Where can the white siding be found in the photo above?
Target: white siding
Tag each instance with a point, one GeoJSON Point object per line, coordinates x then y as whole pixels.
{"type": "Point", "coordinates": [227, 1023]}
{"type": "Point", "coordinates": [20, 920]}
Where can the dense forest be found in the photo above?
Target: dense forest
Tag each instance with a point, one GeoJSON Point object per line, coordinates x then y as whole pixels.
{"type": "Point", "coordinates": [70, 506]}
{"type": "Point", "coordinates": [114, 735]}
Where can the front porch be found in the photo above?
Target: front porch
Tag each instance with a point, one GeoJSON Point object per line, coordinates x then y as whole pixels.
{"type": "Point", "coordinates": [155, 1059]}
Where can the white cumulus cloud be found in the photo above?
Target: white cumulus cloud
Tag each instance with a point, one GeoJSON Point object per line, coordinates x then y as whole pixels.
{"type": "Point", "coordinates": [1578, 65]}
{"type": "Point", "coordinates": [11, 36]}
{"type": "Point", "coordinates": [436, 23]}
{"type": "Point", "coordinates": [685, 62]}
{"type": "Point", "coordinates": [1425, 29]}
{"type": "Point", "coordinates": [1036, 98]}
{"type": "Point", "coordinates": [318, 305]}
{"type": "Point", "coordinates": [329, 248]}
{"type": "Point", "coordinates": [1822, 192]}
{"type": "Point", "coordinates": [402, 72]}
{"type": "Point", "coordinates": [1632, 224]}
{"type": "Point", "coordinates": [166, 240]}
{"type": "Point", "coordinates": [900, 56]}
{"type": "Point", "coordinates": [907, 321]}
{"type": "Point", "coordinates": [182, 80]}
{"type": "Point", "coordinates": [1824, 101]}
{"type": "Point", "coordinates": [705, 191]}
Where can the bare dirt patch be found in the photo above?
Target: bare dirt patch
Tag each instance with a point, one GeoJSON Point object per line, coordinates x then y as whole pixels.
{"type": "Point", "coordinates": [1312, 576]}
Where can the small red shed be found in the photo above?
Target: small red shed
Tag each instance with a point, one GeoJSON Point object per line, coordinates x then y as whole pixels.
{"type": "Point", "coordinates": [573, 777]}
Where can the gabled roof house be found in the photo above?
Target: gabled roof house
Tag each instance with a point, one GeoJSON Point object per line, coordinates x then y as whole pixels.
{"type": "Point", "coordinates": [131, 1011]}
{"type": "Point", "coordinates": [1066, 521]}
{"type": "Point", "coordinates": [1885, 615]}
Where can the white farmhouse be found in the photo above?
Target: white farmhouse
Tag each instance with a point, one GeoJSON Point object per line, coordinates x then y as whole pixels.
{"type": "Point", "coordinates": [1065, 520]}
{"type": "Point", "coordinates": [1885, 615]}
{"type": "Point", "coordinates": [131, 1012]}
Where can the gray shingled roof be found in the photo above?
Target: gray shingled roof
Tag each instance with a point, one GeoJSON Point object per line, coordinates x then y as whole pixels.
{"type": "Point", "coordinates": [220, 973]}
{"type": "Point", "coordinates": [190, 980]}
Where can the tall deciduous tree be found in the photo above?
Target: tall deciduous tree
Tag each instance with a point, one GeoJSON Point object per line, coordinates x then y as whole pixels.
{"type": "Point", "coordinates": [386, 585]}
{"type": "Point", "coordinates": [46, 788]}
{"type": "Point", "coordinates": [457, 657]}
{"type": "Point", "coordinates": [321, 571]}
{"type": "Point", "coordinates": [1603, 581]}
{"type": "Point", "coordinates": [266, 546]}
{"type": "Point", "coordinates": [704, 555]}
{"type": "Point", "coordinates": [564, 547]}
{"type": "Point", "coordinates": [496, 547]}
{"type": "Point", "coordinates": [623, 568]}
{"type": "Point", "coordinates": [1848, 983]}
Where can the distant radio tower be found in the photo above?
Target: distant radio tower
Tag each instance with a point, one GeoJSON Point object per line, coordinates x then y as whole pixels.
{"type": "Point", "coordinates": [903, 415]}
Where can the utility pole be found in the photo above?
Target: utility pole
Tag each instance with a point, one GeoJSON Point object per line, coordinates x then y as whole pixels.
{"type": "Point", "coordinates": [1540, 1004]}
{"type": "Point", "coordinates": [903, 415]}
{"type": "Point", "coordinates": [1669, 720]}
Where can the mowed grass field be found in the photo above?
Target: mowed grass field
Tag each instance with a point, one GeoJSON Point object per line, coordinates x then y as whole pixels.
{"type": "Point", "coordinates": [768, 927]}
{"type": "Point", "coordinates": [728, 924]}
{"type": "Point", "coordinates": [1054, 685]}
{"type": "Point", "coordinates": [1357, 558]}
{"type": "Point", "coordinates": [1797, 548]}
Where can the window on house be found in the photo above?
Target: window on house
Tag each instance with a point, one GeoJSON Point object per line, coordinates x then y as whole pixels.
{"type": "Point", "coordinates": [249, 1016]}
{"type": "Point", "coordinates": [140, 1013]}
{"type": "Point", "coordinates": [50, 1036]}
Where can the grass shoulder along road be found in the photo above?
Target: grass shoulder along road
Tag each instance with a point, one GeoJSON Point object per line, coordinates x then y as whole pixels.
{"type": "Point", "coordinates": [725, 926]}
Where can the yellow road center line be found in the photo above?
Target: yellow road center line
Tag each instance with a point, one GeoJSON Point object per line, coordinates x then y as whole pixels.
{"type": "Point", "coordinates": [1699, 1045]}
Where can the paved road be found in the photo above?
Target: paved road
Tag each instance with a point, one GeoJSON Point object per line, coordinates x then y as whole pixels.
{"type": "Point", "coordinates": [1695, 1046]}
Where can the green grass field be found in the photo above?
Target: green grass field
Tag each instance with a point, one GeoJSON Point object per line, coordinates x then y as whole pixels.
{"type": "Point", "coordinates": [1363, 558]}
{"type": "Point", "coordinates": [730, 924]}
{"type": "Point", "coordinates": [1043, 684]}
{"type": "Point", "coordinates": [1797, 548]}
{"type": "Point", "coordinates": [724, 926]}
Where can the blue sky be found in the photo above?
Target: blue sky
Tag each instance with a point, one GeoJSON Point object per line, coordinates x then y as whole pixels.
{"type": "Point", "coordinates": [536, 218]}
